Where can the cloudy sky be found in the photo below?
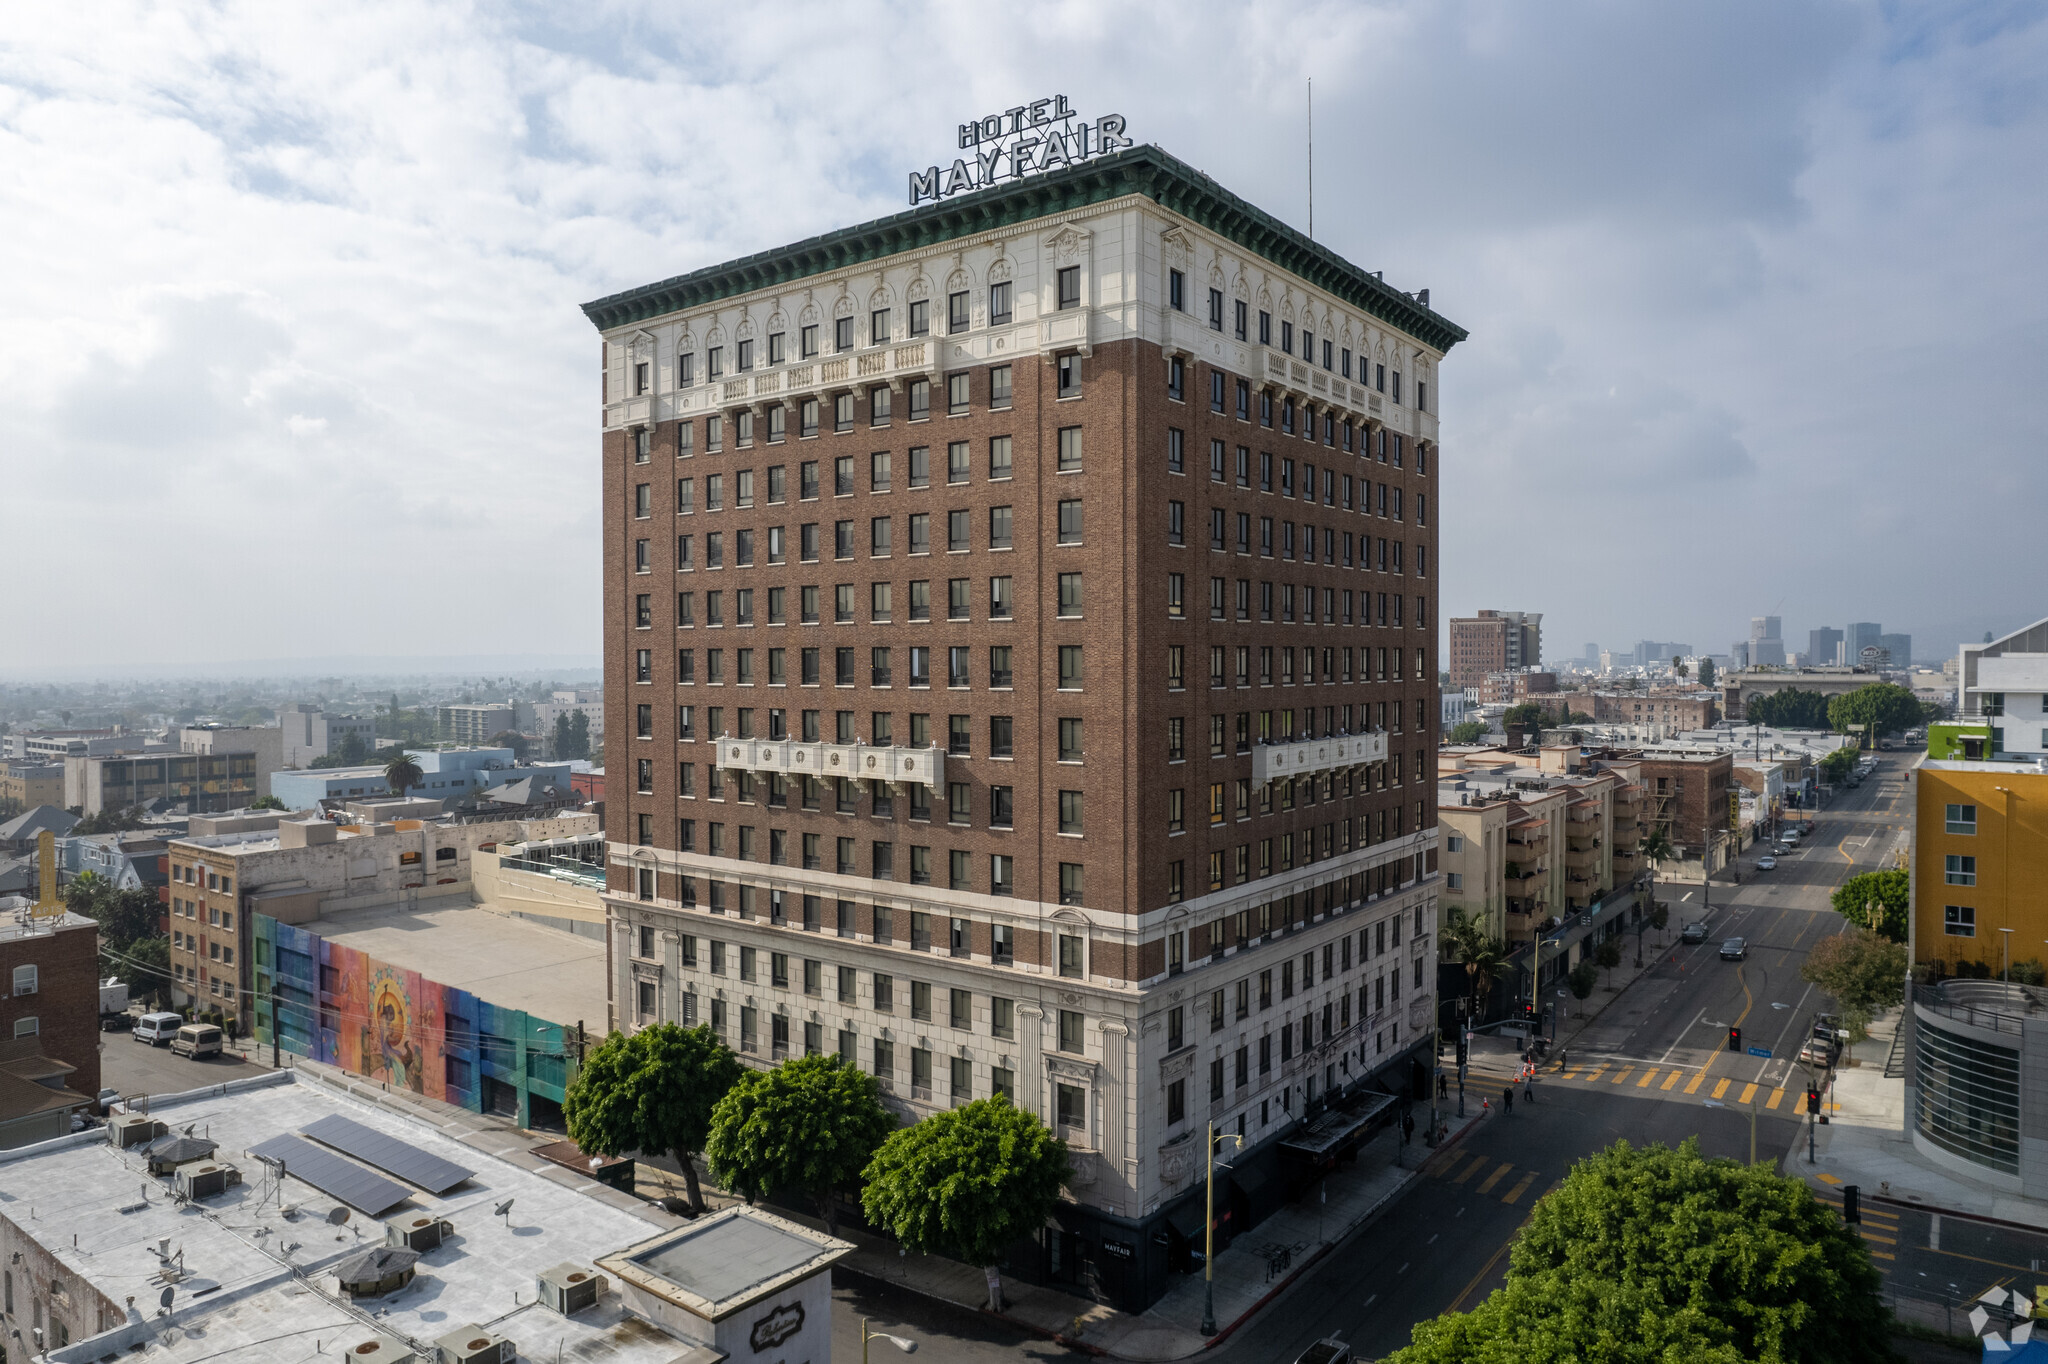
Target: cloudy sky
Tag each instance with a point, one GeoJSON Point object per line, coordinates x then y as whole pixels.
{"type": "Point", "coordinates": [293, 364]}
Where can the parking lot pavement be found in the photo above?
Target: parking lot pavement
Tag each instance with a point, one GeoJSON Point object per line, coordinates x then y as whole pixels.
{"type": "Point", "coordinates": [137, 1068]}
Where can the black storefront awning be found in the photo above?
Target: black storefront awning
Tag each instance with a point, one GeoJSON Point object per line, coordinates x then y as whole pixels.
{"type": "Point", "coordinates": [1333, 1133]}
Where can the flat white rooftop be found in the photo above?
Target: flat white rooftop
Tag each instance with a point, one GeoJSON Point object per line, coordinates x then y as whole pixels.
{"type": "Point", "coordinates": [260, 1257]}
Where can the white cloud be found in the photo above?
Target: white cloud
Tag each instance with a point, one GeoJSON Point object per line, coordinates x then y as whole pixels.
{"type": "Point", "coordinates": [1757, 321]}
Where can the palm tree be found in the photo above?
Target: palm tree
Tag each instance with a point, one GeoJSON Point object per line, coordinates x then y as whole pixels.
{"type": "Point", "coordinates": [1656, 846]}
{"type": "Point", "coordinates": [401, 774]}
{"type": "Point", "coordinates": [1485, 958]}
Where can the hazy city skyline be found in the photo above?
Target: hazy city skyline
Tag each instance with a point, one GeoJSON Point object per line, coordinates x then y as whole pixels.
{"type": "Point", "coordinates": [291, 319]}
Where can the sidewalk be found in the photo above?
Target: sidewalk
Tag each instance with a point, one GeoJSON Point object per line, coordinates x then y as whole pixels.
{"type": "Point", "coordinates": [1246, 1277]}
{"type": "Point", "coordinates": [1866, 1143]}
{"type": "Point", "coordinates": [1595, 1025]}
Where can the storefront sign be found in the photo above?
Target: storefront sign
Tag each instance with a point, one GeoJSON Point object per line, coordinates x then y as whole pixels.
{"type": "Point", "coordinates": [1020, 141]}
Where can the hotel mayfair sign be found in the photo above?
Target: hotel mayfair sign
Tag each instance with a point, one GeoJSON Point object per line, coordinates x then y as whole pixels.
{"type": "Point", "coordinates": [1030, 138]}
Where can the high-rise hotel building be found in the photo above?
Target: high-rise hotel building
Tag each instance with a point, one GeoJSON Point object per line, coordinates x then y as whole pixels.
{"type": "Point", "coordinates": [1019, 677]}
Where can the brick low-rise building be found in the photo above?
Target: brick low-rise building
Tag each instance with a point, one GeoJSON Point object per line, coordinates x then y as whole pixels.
{"type": "Point", "coordinates": [49, 971]}
{"type": "Point", "coordinates": [1019, 676]}
{"type": "Point", "coordinates": [1676, 709]}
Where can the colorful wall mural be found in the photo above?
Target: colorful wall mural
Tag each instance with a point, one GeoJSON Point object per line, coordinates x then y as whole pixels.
{"type": "Point", "coordinates": [388, 1024]}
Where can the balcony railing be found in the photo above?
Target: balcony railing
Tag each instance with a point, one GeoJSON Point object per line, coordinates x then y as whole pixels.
{"type": "Point", "coordinates": [867, 762]}
{"type": "Point", "coordinates": [1304, 757]}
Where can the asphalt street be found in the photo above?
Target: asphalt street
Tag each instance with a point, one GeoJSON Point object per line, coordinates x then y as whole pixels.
{"type": "Point", "coordinates": [1654, 1068]}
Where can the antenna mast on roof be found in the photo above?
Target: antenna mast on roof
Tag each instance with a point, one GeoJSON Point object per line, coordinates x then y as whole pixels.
{"type": "Point", "coordinates": [1311, 158]}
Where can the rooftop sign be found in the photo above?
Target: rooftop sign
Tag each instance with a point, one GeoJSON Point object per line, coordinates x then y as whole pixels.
{"type": "Point", "coordinates": [1020, 141]}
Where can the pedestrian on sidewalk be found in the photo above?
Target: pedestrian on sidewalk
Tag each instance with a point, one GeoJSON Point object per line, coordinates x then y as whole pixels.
{"type": "Point", "coordinates": [1507, 1099]}
{"type": "Point", "coordinates": [1443, 1085]}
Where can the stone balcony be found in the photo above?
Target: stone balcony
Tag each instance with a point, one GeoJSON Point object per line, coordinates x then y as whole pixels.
{"type": "Point", "coordinates": [1309, 757]}
{"type": "Point", "coordinates": [864, 762]}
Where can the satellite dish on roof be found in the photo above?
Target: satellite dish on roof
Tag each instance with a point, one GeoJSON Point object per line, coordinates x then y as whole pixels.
{"type": "Point", "coordinates": [337, 1217]}
{"type": "Point", "coordinates": [163, 1299]}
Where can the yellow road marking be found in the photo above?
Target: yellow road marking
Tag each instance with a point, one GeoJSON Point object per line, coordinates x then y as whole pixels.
{"type": "Point", "coordinates": [1515, 1193]}
{"type": "Point", "coordinates": [1827, 1179]}
{"type": "Point", "coordinates": [1621, 1074]}
{"type": "Point", "coordinates": [1478, 1163]}
{"type": "Point", "coordinates": [1882, 1255]}
{"type": "Point", "coordinates": [1748, 1093]}
{"type": "Point", "coordinates": [1870, 1235]}
{"type": "Point", "coordinates": [1495, 1177]}
{"type": "Point", "coordinates": [1692, 1086]}
{"type": "Point", "coordinates": [1673, 1079]}
{"type": "Point", "coordinates": [1572, 1074]}
{"type": "Point", "coordinates": [1648, 1075]}
{"type": "Point", "coordinates": [1480, 1277]}
{"type": "Point", "coordinates": [1593, 1075]}
{"type": "Point", "coordinates": [1777, 1096]}
{"type": "Point", "coordinates": [1721, 1087]}
{"type": "Point", "coordinates": [1450, 1163]}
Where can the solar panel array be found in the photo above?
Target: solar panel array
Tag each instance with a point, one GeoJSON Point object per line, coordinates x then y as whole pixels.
{"type": "Point", "coordinates": [388, 1153]}
{"type": "Point", "coordinates": [364, 1190]}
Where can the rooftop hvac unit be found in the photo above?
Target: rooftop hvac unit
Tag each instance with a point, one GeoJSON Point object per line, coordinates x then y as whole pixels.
{"type": "Point", "coordinates": [205, 1179]}
{"type": "Point", "coordinates": [475, 1345]}
{"type": "Point", "coordinates": [569, 1289]}
{"type": "Point", "coordinates": [133, 1129]}
{"type": "Point", "coordinates": [379, 1350]}
{"type": "Point", "coordinates": [417, 1232]}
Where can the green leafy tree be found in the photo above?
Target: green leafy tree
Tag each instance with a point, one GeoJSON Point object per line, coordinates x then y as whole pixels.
{"type": "Point", "coordinates": [401, 773]}
{"type": "Point", "coordinates": [1608, 954]}
{"type": "Point", "coordinates": [266, 803]}
{"type": "Point", "coordinates": [1658, 1255]}
{"type": "Point", "coordinates": [109, 822]}
{"type": "Point", "coordinates": [1864, 972]}
{"type": "Point", "coordinates": [1582, 979]}
{"type": "Point", "coordinates": [1682, 670]}
{"type": "Point", "coordinates": [1887, 890]}
{"type": "Point", "coordinates": [579, 734]}
{"type": "Point", "coordinates": [1467, 732]}
{"type": "Point", "coordinates": [810, 1125]}
{"type": "Point", "coordinates": [1526, 716]}
{"type": "Point", "coordinates": [1706, 672]}
{"type": "Point", "coordinates": [1789, 709]}
{"type": "Point", "coordinates": [514, 740]}
{"type": "Point", "coordinates": [652, 1092]}
{"type": "Point", "coordinates": [967, 1184]}
{"type": "Point", "coordinates": [1656, 846]}
{"type": "Point", "coordinates": [1880, 708]}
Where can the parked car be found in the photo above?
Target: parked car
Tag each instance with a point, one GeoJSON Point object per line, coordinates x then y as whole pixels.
{"type": "Point", "coordinates": [1790, 836]}
{"type": "Point", "coordinates": [1734, 949]}
{"type": "Point", "coordinates": [1767, 863]}
{"type": "Point", "coordinates": [1694, 932]}
{"type": "Point", "coordinates": [196, 1040]}
{"type": "Point", "coordinates": [1819, 1052]}
{"type": "Point", "coordinates": [1806, 826]}
{"type": "Point", "coordinates": [157, 1029]}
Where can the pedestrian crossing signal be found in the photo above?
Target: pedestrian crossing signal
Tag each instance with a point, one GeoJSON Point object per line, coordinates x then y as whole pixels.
{"type": "Point", "coordinates": [1735, 1039]}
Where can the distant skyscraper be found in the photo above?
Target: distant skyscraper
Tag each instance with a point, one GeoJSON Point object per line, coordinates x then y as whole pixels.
{"type": "Point", "coordinates": [1738, 653]}
{"type": "Point", "coordinates": [1766, 645]}
{"type": "Point", "coordinates": [1900, 647]}
{"type": "Point", "coordinates": [1823, 644]}
{"type": "Point", "coordinates": [1860, 635]}
{"type": "Point", "coordinates": [1592, 656]}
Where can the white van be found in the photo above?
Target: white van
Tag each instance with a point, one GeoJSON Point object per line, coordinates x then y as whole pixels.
{"type": "Point", "coordinates": [196, 1040]}
{"type": "Point", "coordinates": [157, 1029]}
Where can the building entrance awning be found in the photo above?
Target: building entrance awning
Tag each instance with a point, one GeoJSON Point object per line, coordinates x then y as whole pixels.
{"type": "Point", "coordinates": [1339, 1130]}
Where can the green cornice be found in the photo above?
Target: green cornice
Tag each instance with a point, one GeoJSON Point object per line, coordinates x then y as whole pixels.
{"type": "Point", "coordinates": [1170, 183]}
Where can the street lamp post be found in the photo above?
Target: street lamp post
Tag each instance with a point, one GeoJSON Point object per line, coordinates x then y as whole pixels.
{"type": "Point", "coordinates": [902, 1343]}
{"type": "Point", "coordinates": [2005, 955]}
{"type": "Point", "coordinates": [1209, 1231]}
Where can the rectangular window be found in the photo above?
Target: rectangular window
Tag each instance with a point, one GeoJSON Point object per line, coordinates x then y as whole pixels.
{"type": "Point", "coordinates": [1070, 1033]}
{"type": "Point", "coordinates": [1069, 285]}
{"type": "Point", "coordinates": [842, 334]}
{"type": "Point", "coordinates": [1069, 449]}
{"type": "Point", "coordinates": [1961, 819]}
{"type": "Point", "coordinates": [956, 312]}
{"type": "Point", "coordinates": [1959, 921]}
{"type": "Point", "coordinates": [1069, 532]}
{"type": "Point", "coordinates": [1070, 667]}
{"type": "Point", "coordinates": [999, 303]}
{"type": "Point", "coordinates": [1960, 871]}
{"type": "Point", "coordinates": [921, 318]}
{"type": "Point", "coordinates": [1069, 376]}
{"type": "Point", "coordinates": [998, 399]}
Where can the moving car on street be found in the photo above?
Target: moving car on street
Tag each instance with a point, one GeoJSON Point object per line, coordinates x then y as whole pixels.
{"type": "Point", "coordinates": [1694, 932]}
{"type": "Point", "coordinates": [1767, 863]}
{"type": "Point", "coordinates": [1735, 949]}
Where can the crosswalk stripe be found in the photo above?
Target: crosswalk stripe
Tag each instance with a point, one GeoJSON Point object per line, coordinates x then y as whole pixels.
{"type": "Point", "coordinates": [1477, 1164]}
{"type": "Point", "coordinates": [1883, 1255]}
{"type": "Point", "coordinates": [1593, 1075]}
{"type": "Point", "coordinates": [1777, 1097]}
{"type": "Point", "coordinates": [1870, 1235]}
{"type": "Point", "coordinates": [1672, 1079]}
{"type": "Point", "coordinates": [1648, 1075]}
{"type": "Point", "coordinates": [1748, 1093]}
{"type": "Point", "coordinates": [1622, 1074]}
{"type": "Point", "coordinates": [1721, 1088]}
{"type": "Point", "coordinates": [1692, 1086]}
{"type": "Point", "coordinates": [1495, 1177]}
{"type": "Point", "coordinates": [1515, 1194]}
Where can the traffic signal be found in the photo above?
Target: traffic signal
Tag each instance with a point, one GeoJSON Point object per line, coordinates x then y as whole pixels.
{"type": "Point", "coordinates": [1850, 1211]}
{"type": "Point", "coordinates": [1735, 1039]}
{"type": "Point", "coordinates": [1812, 1099]}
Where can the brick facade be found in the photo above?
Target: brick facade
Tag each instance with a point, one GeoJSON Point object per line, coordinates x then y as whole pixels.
{"type": "Point", "coordinates": [65, 1001]}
